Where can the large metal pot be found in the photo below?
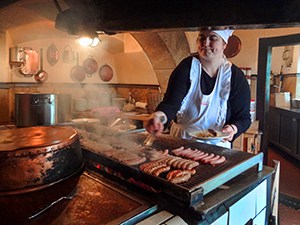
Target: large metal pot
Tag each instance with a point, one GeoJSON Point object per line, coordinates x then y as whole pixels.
{"type": "Point", "coordinates": [34, 109]}
{"type": "Point", "coordinates": [64, 108]}
{"type": "Point", "coordinates": [33, 158]}
{"type": "Point", "coordinates": [16, 55]}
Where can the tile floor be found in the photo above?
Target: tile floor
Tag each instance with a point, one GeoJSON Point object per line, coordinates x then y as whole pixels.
{"type": "Point", "coordinates": [289, 185]}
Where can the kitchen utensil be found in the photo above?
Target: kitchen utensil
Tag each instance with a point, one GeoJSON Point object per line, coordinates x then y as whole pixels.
{"type": "Point", "coordinates": [16, 56]}
{"type": "Point", "coordinates": [78, 72]}
{"type": "Point", "coordinates": [149, 140]}
{"type": "Point", "coordinates": [52, 55]}
{"type": "Point", "coordinates": [115, 122]}
{"type": "Point", "coordinates": [70, 196]}
{"type": "Point", "coordinates": [34, 109]}
{"type": "Point", "coordinates": [233, 47]}
{"type": "Point", "coordinates": [106, 73]}
{"type": "Point", "coordinates": [41, 76]}
{"type": "Point", "coordinates": [68, 55]}
{"type": "Point", "coordinates": [31, 62]}
{"type": "Point", "coordinates": [90, 66]}
{"type": "Point", "coordinates": [64, 108]}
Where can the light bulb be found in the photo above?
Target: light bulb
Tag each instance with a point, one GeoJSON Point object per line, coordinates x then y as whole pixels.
{"type": "Point", "coordinates": [85, 41]}
{"type": "Point", "coordinates": [95, 42]}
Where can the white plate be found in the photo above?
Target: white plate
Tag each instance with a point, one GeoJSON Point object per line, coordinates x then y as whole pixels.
{"type": "Point", "coordinates": [85, 120]}
{"type": "Point", "coordinates": [204, 135]}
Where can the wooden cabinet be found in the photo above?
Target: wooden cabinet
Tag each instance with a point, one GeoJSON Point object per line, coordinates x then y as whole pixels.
{"type": "Point", "coordinates": [250, 140]}
{"type": "Point", "coordinates": [284, 130]}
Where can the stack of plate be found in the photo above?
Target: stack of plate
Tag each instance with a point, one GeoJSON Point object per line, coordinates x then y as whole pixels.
{"type": "Point", "coordinates": [80, 104]}
{"type": "Point", "coordinates": [92, 104]}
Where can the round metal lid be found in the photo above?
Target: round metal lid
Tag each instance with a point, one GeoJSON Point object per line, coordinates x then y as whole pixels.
{"type": "Point", "coordinates": [42, 137]}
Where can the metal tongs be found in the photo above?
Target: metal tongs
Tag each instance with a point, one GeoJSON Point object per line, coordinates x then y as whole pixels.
{"type": "Point", "coordinates": [149, 140]}
{"type": "Point", "coordinates": [69, 197]}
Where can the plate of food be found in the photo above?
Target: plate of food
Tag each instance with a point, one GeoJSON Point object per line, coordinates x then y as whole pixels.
{"type": "Point", "coordinates": [209, 134]}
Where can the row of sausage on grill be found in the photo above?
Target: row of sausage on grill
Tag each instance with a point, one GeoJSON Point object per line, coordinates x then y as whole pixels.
{"type": "Point", "coordinates": [180, 166]}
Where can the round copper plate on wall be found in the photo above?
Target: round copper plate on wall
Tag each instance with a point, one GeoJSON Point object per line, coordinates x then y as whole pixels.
{"type": "Point", "coordinates": [90, 65]}
{"type": "Point", "coordinates": [233, 47]}
{"type": "Point", "coordinates": [106, 73]}
{"type": "Point", "coordinates": [52, 55]}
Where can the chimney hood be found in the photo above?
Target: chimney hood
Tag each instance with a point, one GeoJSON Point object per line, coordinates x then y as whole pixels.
{"type": "Point", "coordinates": [112, 16]}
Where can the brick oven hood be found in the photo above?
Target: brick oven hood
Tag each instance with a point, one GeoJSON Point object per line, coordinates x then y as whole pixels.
{"type": "Point", "coordinates": [112, 16]}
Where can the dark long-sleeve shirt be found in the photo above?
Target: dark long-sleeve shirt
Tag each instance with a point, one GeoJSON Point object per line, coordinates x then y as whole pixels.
{"type": "Point", "coordinates": [238, 104]}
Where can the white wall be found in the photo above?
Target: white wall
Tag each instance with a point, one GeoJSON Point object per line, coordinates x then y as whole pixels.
{"type": "Point", "coordinates": [127, 59]}
{"type": "Point", "coordinates": [248, 56]}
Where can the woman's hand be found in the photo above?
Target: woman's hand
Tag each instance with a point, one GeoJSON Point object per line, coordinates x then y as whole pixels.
{"type": "Point", "coordinates": [231, 129]}
{"type": "Point", "coordinates": [154, 125]}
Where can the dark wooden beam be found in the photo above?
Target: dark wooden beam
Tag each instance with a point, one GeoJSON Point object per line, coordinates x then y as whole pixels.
{"type": "Point", "coordinates": [145, 15]}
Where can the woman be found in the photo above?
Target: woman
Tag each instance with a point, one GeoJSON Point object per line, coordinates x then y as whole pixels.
{"type": "Point", "coordinates": [205, 92]}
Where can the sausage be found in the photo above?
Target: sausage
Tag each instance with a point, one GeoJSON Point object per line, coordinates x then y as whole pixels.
{"type": "Point", "coordinates": [192, 171]}
{"type": "Point", "coordinates": [165, 152]}
{"type": "Point", "coordinates": [177, 150]}
{"type": "Point", "coordinates": [192, 165]}
{"type": "Point", "coordinates": [208, 160]}
{"type": "Point", "coordinates": [176, 163]}
{"type": "Point", "coordinates": [218, 161]}
{"type": "Point", "coordinates": [208, 157]}
{"type": "Point", "coordinates": [185, 164]}
{"type": "Point", "coordinates": [201, 157]}
{"type": "Point", "coordinates": [172, 174]}
{"type": "Point", "coordinates": [181, 177]}
{"type": "Point", "coordinates": [150, 164]}
{"type": "Point", "coordinates": [135, 161]}
{"type": "Point", "coordinates": [150, 170]}
{"type": "Point", "coordinates": [172, 160]}
{"type": "Point", "coordinates": [182, 163]}
{"type": "Point", "coordinates": [163, 169]}
{"type": "Point", "coordinates": [196, 153]}
{"type": "Point", "coordinates": [187, 152]}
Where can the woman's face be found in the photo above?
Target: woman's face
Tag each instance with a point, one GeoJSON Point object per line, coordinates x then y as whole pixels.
{"type": "Point", "coordinates": [210, 45]}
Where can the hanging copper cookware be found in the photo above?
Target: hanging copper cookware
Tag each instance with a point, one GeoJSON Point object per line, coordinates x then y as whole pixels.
{"type": "Point", "coordinates": [78, 72]}
{"type": "Point", "coordinates": [233, 47]}
{"type": "Point", "coordinates": [30, 65]}
{"type": "Point", "coordinates": [41, 76]}
{"type": "Point", "coordinates": [90, 65]}
{"type": "Point", "coordinates": [106, 73]}
{"type": "Point", "coordinates": [52, 55]}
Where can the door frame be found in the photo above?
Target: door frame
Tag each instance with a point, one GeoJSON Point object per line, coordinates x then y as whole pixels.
{"type": "Point", "coordinates": [263, 82]}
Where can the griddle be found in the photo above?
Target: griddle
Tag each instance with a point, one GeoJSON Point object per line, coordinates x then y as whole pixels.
{"type": "Point", "coordinates": [206, 179]}
{"type": "Point", "coordinates": [97, 202]}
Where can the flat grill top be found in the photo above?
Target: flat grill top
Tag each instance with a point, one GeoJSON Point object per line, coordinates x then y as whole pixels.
{"type": "Point", "coordinates": [207, 177]}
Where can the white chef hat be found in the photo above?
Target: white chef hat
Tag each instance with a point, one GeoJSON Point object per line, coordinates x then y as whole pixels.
{"type": "Point", "coordinates": [224, 34]}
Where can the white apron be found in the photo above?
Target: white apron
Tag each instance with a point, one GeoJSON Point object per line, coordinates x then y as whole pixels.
{"type": "Point", "coordinates": [199, 111]}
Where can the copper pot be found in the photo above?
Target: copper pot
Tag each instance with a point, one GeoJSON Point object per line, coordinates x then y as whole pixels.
{"type": "Point", "coordinates": [36, 157]}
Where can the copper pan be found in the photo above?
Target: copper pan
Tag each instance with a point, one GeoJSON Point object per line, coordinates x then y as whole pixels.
{"type": "Point", "coordinates": [41, 76]}
{"type": "Point", "coordinates": [78, 72]}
